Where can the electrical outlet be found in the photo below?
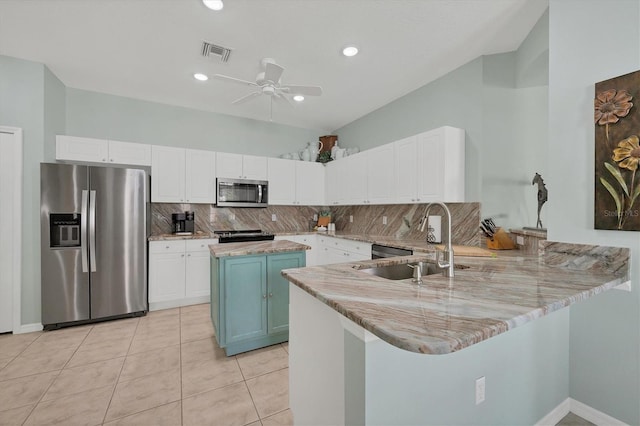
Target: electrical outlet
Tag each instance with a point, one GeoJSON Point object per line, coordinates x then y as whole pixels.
{"type": "Point", "coordinates": [315, 217]}
{"type": "Point", "coordinates": [520, 240]}
{"type": "Point", "coordinates": [384, 220]}
{"type": "Point", "coordinates": [273, 218]}
{"type": "Point", "coordinates": [350, 218]}
{"type": "Point", "coordinates": [480, 388]}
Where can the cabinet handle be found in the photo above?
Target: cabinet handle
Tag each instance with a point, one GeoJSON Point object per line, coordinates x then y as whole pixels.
{"type": "Point", "coordinates": [182, 255]}
{"type": "Point", "coordinates": [270, 294]}
{"type": "Point", "coordinates": [189, 255]}
{"type": "Point", "coordinates": [264, 296]}
{"type": "Point", "coordinates": [104, 159]}
{"type": "Point", "coordinates": [111, 160]}
{"type": "Point", "coordinates": [166, 247]}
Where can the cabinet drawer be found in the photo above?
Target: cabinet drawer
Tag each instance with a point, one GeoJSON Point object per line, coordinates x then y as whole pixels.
{"type": "Point", "coordinates": [199, 245]}
{"type": "Point", "coordinates": [176, 246]}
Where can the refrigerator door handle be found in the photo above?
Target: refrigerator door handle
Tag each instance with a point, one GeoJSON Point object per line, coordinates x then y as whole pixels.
{"type": "Point", "coordinates": [92, 230]}
{"type": "Point", "coordinates": [83, 231]}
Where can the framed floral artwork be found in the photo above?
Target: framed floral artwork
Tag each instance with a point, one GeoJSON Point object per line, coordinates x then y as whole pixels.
{"type": "Point", "coordinates": [617, 152]}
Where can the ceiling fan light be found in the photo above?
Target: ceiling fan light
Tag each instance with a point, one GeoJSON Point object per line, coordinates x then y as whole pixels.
{"type": "Point", "coordinates": [350, 51]}
{"type": "Point", "coordinates": [213, 4]}
{"type": "Point", "coordinates": [298, 98]}
{"type": "Point", "coordinates": [200, 77]}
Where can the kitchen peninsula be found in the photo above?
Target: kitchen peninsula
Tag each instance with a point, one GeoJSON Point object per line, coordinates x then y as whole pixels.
{"type": "Point", "coordinates": [366, 350]}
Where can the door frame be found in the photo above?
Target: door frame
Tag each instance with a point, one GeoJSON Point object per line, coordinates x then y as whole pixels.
{"type": "Point", "coordinates": [16, 237]}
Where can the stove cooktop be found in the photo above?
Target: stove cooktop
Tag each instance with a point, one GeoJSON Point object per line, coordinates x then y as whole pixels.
{"type": "Point", "coordinates": [235, 236]}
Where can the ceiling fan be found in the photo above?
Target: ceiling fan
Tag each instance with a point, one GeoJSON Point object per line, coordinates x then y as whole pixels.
{"type": "Point", "coordinates": [268, 83]}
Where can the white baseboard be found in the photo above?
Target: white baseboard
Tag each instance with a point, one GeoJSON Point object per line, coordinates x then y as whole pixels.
{"type": "Point", "coordinates": [578, 408]}
{"type": "Point", "coordinates": [593, 415]}
{"type": "Point", "coordinates": [28, 328]}
{"type": "Point", "coordinates": [556, 414]}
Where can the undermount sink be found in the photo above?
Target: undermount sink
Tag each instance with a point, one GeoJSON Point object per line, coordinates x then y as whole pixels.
{"type": "Point", "coordinates": [403, 271]}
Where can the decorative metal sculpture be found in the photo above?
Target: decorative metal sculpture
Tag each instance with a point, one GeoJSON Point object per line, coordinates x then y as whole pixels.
{"type": "Point", "coordinates": [542, 196]}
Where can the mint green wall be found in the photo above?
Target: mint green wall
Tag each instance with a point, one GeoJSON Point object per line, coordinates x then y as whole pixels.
{"type": "Point", "coordinates": [501, 102]}
{"type": "Point", "coordinates": [22, 94]}
{"type": "Point", "coordinates": [605, 331]}
{"type": "Point", "coordinates": [54, 113]}
{"type": "Point", "coordinates": [104, 116]}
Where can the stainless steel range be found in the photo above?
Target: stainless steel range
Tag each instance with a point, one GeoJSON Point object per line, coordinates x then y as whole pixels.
{"type": "Point", "coordinates": [236, 236]}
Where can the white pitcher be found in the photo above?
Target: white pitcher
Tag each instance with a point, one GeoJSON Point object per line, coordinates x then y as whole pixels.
{"type": "Point", "coordinates": [314, 150]}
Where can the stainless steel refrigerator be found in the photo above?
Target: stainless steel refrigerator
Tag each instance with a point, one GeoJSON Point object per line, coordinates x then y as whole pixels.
{"type": "Point", "coordinates": [94, 231]}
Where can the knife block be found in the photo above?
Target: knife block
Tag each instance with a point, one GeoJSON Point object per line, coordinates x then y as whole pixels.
{"type": "Point", "coordinates": [500, 241]}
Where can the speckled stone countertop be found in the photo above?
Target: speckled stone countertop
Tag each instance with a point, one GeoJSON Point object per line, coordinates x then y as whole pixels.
{"type": "Point", "coordinates": [491, 296]}
{"type": "Point", "coordinates": [171, 237]}
{"type": "Point", "coordinates": [255, 247]}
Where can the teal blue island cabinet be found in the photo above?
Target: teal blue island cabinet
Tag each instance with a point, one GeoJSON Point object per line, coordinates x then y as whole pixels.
{"type": "Point", "coordinates": [249, 296]}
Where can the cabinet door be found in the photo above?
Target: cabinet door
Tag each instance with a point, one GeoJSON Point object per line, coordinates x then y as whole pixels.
{"type": "Point", "coordinates": [406, 170]}
{"type": "Point", "coordinates": [356, 180]}
{"type": "Point", "coordinates": [309, 183]}
{"type": "Point", "coordinates": [197, 274]}
{"type": "Point", "coordinates": [229, 165]}
{"type": "Point", "coordinates": [136, 154]}
{"type": "Point", "coordinates": [332, 189]}
{"type": "Point", "coordinates": [282, 181]}
{"type": "Point", "coordinates": [167, 174]}
{"type": "Point", "coordinates": [380, 175]}
{"type": "Point", "coordinates": [278, 290]}
{"type": "Point", "coordinates": [166, 277]}
{"type": "Point", "coordinates": [431, 166]}
{"type": "Point", "coordinates": [245, 298]}
{"type": "Point", "coordinates": [254, 167]}
{"type": "Point", "coordinates": [81, 149]}
{"type": "Point", "coordinates": [200, 176]}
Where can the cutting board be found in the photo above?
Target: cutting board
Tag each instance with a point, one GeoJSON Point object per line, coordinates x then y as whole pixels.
{"type": "Point", "coordinates": [468, 251]}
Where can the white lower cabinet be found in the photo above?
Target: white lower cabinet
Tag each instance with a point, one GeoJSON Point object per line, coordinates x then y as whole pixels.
{"type": "Point", "coordinates": [306, 239]}
{"type": "Point", "coordinates": [338, 250]}
{"type": "Point", "coordinates": [179, 273]}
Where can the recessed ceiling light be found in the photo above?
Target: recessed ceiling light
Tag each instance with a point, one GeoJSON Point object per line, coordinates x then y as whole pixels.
{"type": "Point", "coordinates": [200, 76]}
{"type": "Point", "coordinates": [213, 4]}
{"type": "Point", "coordinates": [350, 51]}
{"type": "Point", "coordinates": [298, 98]}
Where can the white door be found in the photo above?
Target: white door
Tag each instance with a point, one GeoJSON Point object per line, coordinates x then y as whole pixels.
{"type": "Point", "coordinates": [10, 228]}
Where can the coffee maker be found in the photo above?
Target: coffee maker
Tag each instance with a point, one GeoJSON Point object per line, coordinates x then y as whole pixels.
{"type": "Point", "coordinates": [183, 223]}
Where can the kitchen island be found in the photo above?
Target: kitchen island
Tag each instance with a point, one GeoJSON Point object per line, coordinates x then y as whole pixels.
{"type": "Point", "coordinates": [366, 350]}
{"type": "Point", "coordinates": [249, 296]}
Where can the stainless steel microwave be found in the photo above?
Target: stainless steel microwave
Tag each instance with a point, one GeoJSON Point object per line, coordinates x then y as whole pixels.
{"type": "Point", "coordinates": [241, 192]}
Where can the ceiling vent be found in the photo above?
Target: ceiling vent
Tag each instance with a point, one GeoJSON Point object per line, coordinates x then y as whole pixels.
{"type": "Point", "coordinates": [210, 50]}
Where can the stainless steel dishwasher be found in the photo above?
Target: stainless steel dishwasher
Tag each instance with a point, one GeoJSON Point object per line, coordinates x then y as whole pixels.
{"type": "Point", "coordinates": [379, 251]}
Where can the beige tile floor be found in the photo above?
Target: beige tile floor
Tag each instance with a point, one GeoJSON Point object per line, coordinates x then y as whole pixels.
{"type": "Point", "coordinates": [161, 369]}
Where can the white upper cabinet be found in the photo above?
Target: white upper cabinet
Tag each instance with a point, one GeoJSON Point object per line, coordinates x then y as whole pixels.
{"type": "Point", "coordinates": [282, 181]}
{"type": "Point", "coordinates": [181, 175]}
{"type": "Point", "coordinates": [356, 181]}
{"type": "Point", "coordinates": [295, 182]}
{"type": "Point", "coordinates": [309, 183]}
{"type": "Point", "coordinates": [336, 182]}
{"type": "Point", "coordinates": [430, 166]}
{"type": "Point", "coordinates": [237, 166]}
{"type": "Point", "coordinates": [200, 176]}
{"type": "Point", "coordinates": [90, 150]}
{"type": "Point", "coordinates": [381, 187]}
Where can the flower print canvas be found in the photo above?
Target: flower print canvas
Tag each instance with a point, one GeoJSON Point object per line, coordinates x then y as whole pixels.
{"type": "Point", "coordinates": [617, 152]}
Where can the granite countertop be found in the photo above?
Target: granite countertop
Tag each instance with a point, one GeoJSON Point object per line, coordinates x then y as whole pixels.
{"type": "Point", "coordinates": [255, 247]}
{"type": "Point", "coordinates": [170, 237]}
{"type": "Point", "coordinates": [491, 296]}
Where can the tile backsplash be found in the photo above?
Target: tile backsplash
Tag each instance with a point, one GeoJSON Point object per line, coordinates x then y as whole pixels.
{"type": "Point", "coordinates": [402, 219]}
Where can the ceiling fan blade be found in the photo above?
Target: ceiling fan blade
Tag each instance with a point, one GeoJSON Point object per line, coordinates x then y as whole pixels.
{"type": "Point", "coordinates": [302, 90]}
{"type": "Point", "coordinates": [273, 72]}
{"type": "Point", "coordinates": [235, 80]}
{"type": "Point", "coordinates": [246, 98]}
{"type": "Point", "coordinates": [282, 99]}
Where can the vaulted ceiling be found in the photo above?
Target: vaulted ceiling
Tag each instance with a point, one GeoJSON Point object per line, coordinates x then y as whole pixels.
{"type": "Point", "coordinates": [150, 49]}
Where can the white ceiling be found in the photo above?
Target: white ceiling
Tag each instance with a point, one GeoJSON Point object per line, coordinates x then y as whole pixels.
{"type": "Point", "coordinates": [149, 49]}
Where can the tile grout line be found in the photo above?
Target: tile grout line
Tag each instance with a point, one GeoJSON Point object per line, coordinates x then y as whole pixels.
{"type": "Point", "coordinates": [115, 386]}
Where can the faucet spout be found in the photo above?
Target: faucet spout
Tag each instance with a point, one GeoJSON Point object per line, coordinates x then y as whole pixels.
{"type": "Point", "coordinates": [447, 262]}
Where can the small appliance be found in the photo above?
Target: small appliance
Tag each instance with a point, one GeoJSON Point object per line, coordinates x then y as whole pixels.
{"type": "Point", "coordinates": [183, 223]}
{"type": "Point", "coordinates": [242, 192]}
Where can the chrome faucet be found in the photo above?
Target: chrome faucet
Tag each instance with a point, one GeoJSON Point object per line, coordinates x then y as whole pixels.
{"type": "Point", "coordinates": [447, 254]}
